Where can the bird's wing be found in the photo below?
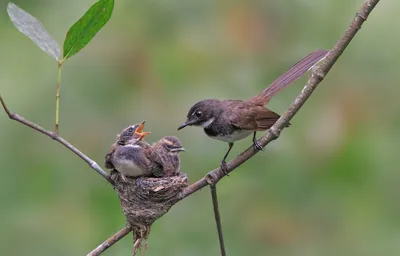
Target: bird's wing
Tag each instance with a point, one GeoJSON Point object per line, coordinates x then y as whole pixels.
{"type": "Point", "coordinates": [108, 158]}
{"type": "Point", "coordinates": [256, 118]}
{"type": "Point", "coordinates": [266, 119]}
{"type": "Point", "coordinates": [159, 168]}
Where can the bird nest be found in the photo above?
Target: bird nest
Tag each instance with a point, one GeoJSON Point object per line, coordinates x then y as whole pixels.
{"type": "Point", "coordinates": [144, 200]}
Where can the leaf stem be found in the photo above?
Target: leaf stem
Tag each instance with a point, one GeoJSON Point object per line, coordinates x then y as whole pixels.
{"type": "Point", "coordinates": [58, 93]}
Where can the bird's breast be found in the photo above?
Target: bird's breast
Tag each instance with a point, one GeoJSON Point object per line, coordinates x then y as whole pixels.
{"type": "Point", "coordinates": [229, 136]}
{"type": "Point", "coordinates": [235, 136]}
{"type": "Point", "coordinates": [129, 168]}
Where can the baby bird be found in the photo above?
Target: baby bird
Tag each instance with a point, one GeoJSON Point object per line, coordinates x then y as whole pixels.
{"type": "Point", "coordinates": [168, 149]}
{"type": "Point", "coordinates": [121, 151]}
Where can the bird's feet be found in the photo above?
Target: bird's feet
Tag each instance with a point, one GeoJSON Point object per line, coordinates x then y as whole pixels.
{"type": "Point", "coordinates": [257, 145]}
{"type": "Point", "coordinates": [224, 168]}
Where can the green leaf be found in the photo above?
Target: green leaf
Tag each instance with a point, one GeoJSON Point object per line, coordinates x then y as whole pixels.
{"type": "Point", "coordinates": [32, 28]}
{"type": "Point", "coordinates": [80, 34]}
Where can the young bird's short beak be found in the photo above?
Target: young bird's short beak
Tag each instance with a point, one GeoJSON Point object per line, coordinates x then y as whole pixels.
{"type": "Point", "coordinates": [143, 134]}
{"type": "Point", "coordinates": [140, 127]}
{"type": "Point", "coordinates": [177, 149]}
{"type": "Point", "coordinates": [139, 131]}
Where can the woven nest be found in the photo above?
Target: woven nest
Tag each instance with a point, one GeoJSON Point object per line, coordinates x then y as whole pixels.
{"type": "Point", "coordinates": [144, 200]}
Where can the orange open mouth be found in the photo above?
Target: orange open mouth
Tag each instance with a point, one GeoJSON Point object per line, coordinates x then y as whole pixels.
{"type": "Point", "coordinates": [139, 131]}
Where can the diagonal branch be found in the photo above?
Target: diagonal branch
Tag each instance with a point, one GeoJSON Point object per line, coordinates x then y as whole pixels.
{"type": "Point", "coordinates": [317, 75]}
{"type": "Point", "coordinates": [56, 137]}
{"type": "Point", "coordinates": [110, 241]}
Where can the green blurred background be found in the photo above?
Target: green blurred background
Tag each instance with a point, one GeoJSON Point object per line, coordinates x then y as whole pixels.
{"type": "Point", "coordinates": [328, 186]}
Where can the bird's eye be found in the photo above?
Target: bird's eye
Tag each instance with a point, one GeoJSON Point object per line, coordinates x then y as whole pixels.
{"type": "Point", "coordinates": [130, 130]}
{"type": "Point", "coordinates": [198, 113]}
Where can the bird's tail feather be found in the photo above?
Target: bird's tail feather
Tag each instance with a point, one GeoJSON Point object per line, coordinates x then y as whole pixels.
{"type": "Point", "coordinates": [290, 76]}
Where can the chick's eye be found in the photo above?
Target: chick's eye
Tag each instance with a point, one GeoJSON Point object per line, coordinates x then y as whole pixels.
{"type": "Point", "coordinates": [130, 130]}
{"type": "Point", "coordinates": [198, 113]}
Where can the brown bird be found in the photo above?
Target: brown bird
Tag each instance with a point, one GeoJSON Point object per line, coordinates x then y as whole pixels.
{"type": "Point", "coordinates": [166, 152]}
{"type": "Point", "coordinates": [232, 120]}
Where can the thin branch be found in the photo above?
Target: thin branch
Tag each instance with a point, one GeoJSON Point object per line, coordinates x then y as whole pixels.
{"type": "Point", "coordinates": [213, 188]}
{"type": "Point", "coordinates": [56, 137]}
{"type": "Point", "coordinates": [110, 241]}
{"type": "Point", "coordinates": [317, 75]}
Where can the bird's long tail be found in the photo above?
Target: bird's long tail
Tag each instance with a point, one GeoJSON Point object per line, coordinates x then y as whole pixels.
{"type": "Point", "coordinates": [294, 73]}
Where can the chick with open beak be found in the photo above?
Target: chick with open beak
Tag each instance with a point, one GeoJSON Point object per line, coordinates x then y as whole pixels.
{"type": "Point", "coordinates": [128, 142]}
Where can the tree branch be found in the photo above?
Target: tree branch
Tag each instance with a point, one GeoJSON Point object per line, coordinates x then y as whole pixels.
{"type": "Point", "coordinates": [110, 241]}
{"type": "Point", "coordinates": [56, 137]}
{"type": "Point", "coordinates": [317, 75]}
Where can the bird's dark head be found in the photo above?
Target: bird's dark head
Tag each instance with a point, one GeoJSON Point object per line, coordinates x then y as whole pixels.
{"type": "Point", "coordinates": [201, 113]}
{"type": "Point", "coordinates": [132, 134]}
{"type": "Point", "coordinates": [171, 144]}
{"type": "Point", "coordinates": [127, 134]}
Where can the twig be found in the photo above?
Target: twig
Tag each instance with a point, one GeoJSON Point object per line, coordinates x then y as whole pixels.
{"type": "Point", "coordinates": [213, 188]}
{"type": "Point", "coordinates": [317, 75]}
{"type": "Point", "coordinates": [110, 241]}
{"type": "Point", "coordinates": [56, 137]}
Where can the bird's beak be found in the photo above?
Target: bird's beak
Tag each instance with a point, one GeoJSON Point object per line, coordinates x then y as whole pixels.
{"type": "Point", "coordinates": [177, 149]}
{"type": "Point", "coordinates": [143, 134]}
{"type": "Point", "coordinates": [140, 131]}
{"type": "Point", "coordinates": [186, 124]}
{"type": "Point", "coordinates": [182, 126]}
{"type": "Point", "coordinates": [140, 127]}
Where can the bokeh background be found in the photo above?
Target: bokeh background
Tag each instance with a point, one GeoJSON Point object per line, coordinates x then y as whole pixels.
{"type": "Point", "coordinates": [328, 186]}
